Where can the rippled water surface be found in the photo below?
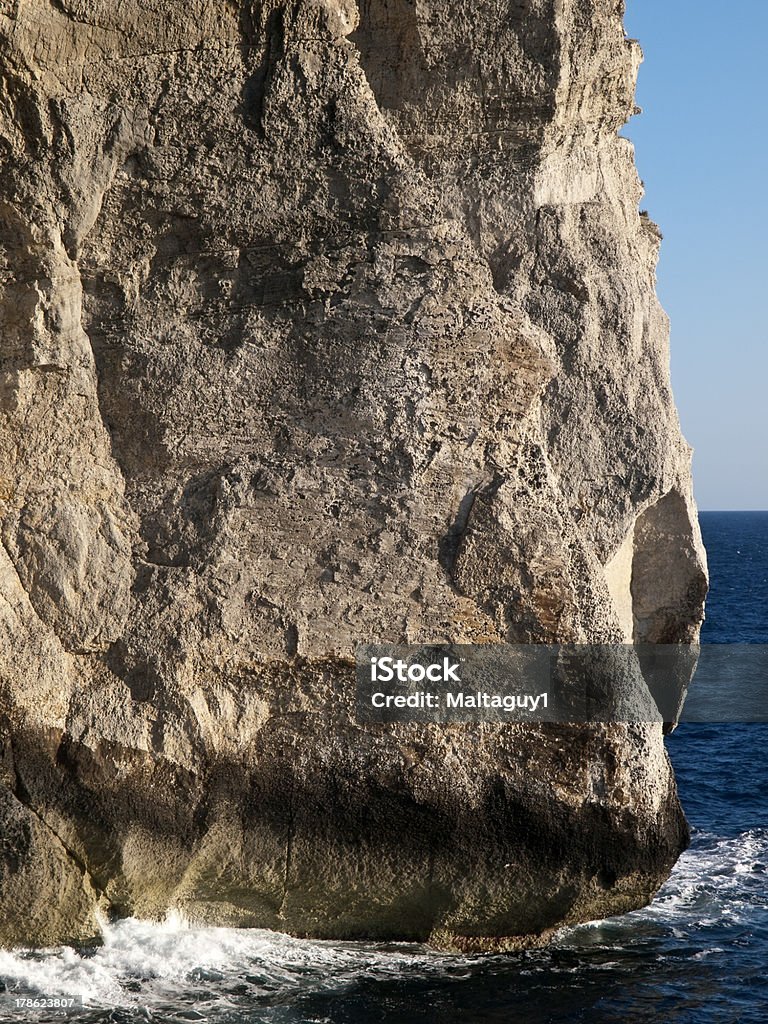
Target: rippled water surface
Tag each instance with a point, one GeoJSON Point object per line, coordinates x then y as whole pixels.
{"type": "Point", "coordinates": [698, 954]}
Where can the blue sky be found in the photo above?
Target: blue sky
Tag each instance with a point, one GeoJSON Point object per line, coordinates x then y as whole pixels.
{"type": "Point", "coordinates": [702, 151]}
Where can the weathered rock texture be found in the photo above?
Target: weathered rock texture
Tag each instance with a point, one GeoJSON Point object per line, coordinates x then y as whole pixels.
{"type": "Point", "coordinates": [325, 323]}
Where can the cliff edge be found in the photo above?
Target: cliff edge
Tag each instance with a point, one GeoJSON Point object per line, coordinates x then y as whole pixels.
{"type": "Point", "coordinates": [325, 323]}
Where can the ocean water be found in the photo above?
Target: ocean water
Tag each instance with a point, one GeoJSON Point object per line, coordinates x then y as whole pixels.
{"type": "Point", "coordinates": [698, 954]}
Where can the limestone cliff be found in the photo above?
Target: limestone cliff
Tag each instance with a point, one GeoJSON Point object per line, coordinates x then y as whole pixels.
{"type": "Point", "coordinates": [325, 323]}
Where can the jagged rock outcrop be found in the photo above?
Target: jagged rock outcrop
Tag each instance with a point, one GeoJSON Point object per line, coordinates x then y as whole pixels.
{"type": "Point", "coordinates": [325, 323]}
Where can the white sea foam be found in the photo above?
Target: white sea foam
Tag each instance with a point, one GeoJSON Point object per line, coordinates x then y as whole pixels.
{"type": "Point", "coordinates": [718, 881]}
{"type": "Point", "coordinates": [139, 960]}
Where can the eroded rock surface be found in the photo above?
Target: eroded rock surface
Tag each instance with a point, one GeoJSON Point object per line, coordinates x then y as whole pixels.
{"type": "Point", "coordinates": [325, 323]}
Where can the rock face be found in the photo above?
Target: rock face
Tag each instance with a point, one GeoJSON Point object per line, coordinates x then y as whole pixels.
{"type": "Point", "coordinates": [325, 323]}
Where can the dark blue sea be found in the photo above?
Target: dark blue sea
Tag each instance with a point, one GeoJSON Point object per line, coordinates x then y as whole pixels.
{"type": "Point", "coordinates": [698, 954]}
